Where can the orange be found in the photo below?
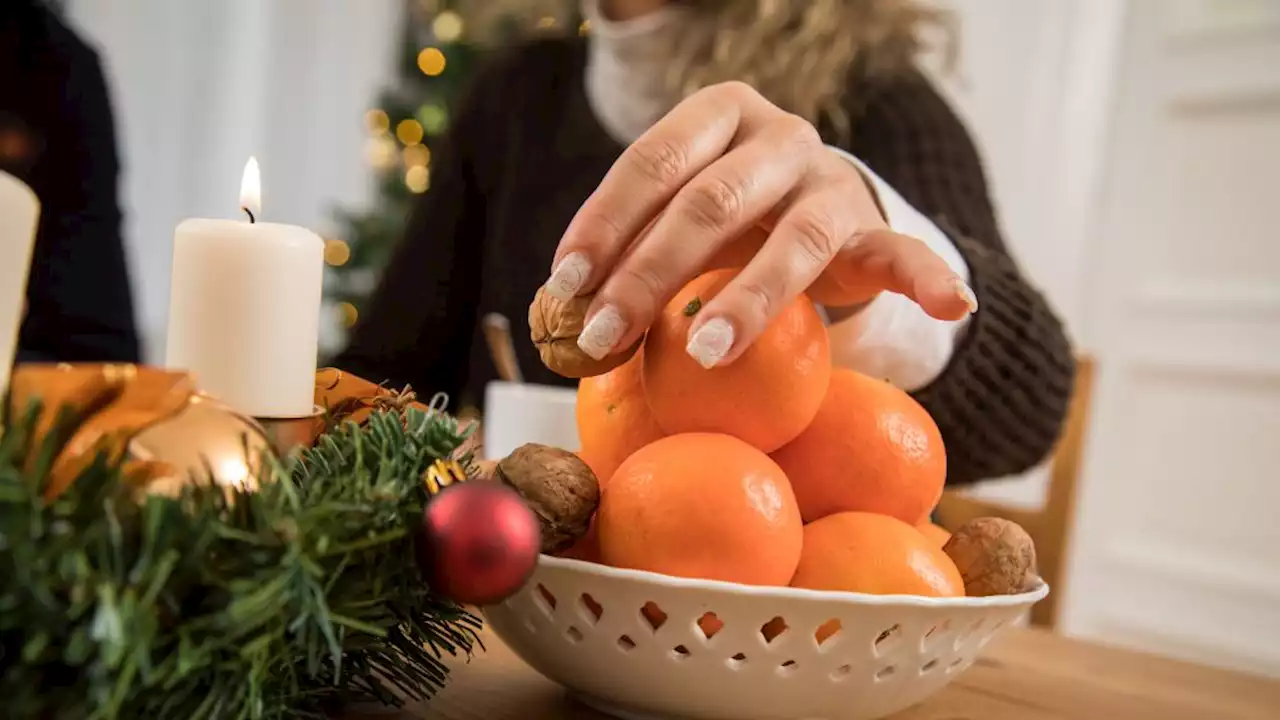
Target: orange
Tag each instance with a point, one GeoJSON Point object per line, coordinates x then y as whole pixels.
{"type": "Point", "coordinates": [871, 447]}
{"type": "Point", "coordinates": [765, 397]}
{"type": "Point", "coordinates": [937, 535]}
{"type": "Point", "coordinates": [736, 253]}
{"type": "Point", "coordinates": [709, 623]}
{"type": "Point", "coordinates": [594, 463]}
{"type": "Point", "coordinates": [838, 285]}
{"type": "Point", "coordinates": [701, 505]}
{"type": "Point", "coordinates": [877, 554]}
{"type": "Point", "coordinates": [857, 277]}
{"type": "Point", "coordinates": [834, 289]}
{"type": "Point", "coordinates": [587, 547]}
{"type": "Point", "coordinates": [613, 416]}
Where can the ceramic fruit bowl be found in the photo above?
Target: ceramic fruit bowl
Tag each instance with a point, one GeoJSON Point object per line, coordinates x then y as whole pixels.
{"type": "Point", "coordinates": [639, 645]}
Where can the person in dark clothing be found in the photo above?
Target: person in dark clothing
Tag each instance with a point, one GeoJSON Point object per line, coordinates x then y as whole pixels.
{"type": "Point", "coordinates": [57, 135]}
{"type": "Point", "coordinates": [567, 148]}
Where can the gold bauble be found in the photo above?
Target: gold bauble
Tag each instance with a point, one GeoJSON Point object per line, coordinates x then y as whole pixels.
{"type": "Point", "coordinates": [153, 421]}
{"type": "Point", "coordinates": [204, 440]}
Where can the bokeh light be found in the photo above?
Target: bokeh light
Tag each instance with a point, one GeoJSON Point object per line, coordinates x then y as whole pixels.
{"type": "Point", "coordinates": [416, 155]}
{"type": "Point", "coordinates": [377, 121]}
{"type": "Point", "coordinates": [380, 152]}
{"type": "Point", "coordinates": [434, 118]}
{"type": "Point", "coordinates": [417, 179]}
{"type": "Point", "coordinates": [409, 131]}
{"type": "Point", "coordinates": [431, 61]}
{"type": "Point", "coordinates": [348, 314]}
{"type": "Point", "coordinates": [336, 253]}
{"type": "Point", "coordinates": [447, 26]}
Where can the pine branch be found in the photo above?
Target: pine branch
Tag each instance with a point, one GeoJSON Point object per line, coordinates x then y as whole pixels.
{"type": "Point", "coordinates": [275, 603]}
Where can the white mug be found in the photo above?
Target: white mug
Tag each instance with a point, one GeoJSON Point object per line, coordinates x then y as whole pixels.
{"type": "Point", "coordinates": [518, 413]}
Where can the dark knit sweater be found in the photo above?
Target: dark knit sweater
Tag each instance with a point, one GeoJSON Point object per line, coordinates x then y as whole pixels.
{"type": "Point", "coordinates": [526, 151]}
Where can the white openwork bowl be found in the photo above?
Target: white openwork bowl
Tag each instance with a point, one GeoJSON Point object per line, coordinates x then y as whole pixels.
{"type": "Point", "coordinates": [582, 625]}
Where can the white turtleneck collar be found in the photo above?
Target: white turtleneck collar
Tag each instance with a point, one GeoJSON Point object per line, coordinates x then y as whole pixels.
{"type": "Point", "coordinates": [625, 67]}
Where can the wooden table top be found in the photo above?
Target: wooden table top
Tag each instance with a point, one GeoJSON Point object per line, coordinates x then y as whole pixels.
{"type": "Point", "coordinates": [1023, 675]}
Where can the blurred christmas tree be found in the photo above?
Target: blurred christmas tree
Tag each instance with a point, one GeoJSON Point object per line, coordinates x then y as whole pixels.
{"type": "Point", "coordinates": [436, 58]}
{"type": "Point", "coordinates": [439, 51]}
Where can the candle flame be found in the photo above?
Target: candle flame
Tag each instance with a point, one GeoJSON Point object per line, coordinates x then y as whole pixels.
{"type": "Point", "coordinates": [251, 188]}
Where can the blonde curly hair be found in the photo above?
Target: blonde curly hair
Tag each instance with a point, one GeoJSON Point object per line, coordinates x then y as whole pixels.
{"type": "Point", "coordinates": [797, 53]}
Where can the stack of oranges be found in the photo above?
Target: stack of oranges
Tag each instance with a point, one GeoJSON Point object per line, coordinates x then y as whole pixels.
{"type": "Point", "coordinates": [776, 469]}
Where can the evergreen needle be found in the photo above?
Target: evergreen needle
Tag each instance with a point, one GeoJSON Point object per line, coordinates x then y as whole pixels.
{"type": "Point", "coordinates": [277, 603]}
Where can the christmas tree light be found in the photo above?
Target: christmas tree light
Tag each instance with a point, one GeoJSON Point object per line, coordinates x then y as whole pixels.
{"type": "Point", "coordinates": [439, 50]}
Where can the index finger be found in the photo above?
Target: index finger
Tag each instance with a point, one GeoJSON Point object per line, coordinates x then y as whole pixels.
{"type": "Point", "coordinates": [641, 182]}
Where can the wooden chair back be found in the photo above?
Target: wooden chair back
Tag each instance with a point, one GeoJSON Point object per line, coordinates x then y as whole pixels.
{"type": "Point", "coordinates": [1050, 525]}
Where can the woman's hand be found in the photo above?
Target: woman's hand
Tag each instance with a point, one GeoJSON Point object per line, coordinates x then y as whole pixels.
{"type": "Point", "coordinates": [722, 163]}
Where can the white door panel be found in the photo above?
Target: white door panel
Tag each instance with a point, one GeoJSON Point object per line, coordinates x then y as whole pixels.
{"type": "Point", "coordinates": [1177, 544]}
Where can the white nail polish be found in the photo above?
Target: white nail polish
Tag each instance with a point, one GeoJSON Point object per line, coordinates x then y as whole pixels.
{"type": "Point", "coordinates": [710, 343]}
{"type": "Point", "coordinates": [966, 293]}
{"type": "Point", "coordinates": [602, 333]}
{"type": "Point", "coordinates": [569, 277]}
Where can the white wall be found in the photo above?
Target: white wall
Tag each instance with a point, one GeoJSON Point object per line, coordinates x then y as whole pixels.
{"type": "Point", "coordinates": [200, 86]}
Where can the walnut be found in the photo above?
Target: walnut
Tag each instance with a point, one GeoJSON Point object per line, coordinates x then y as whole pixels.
{"type": "Point", "coordinates": [555, 325]}
{"type": "Point", "coordinates": [994, 556]}
{"type": "Point", "coordinates": [558, 486]}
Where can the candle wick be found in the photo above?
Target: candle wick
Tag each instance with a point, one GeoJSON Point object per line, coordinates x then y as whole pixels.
{"type": "Point", "coordinates": [249, 212]}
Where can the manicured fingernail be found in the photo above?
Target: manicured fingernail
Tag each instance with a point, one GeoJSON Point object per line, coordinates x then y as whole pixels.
{"type": "Point", "coordinates": [966, 293]}
{"type": "Point", "coordinates": [569, 277]}
{"type": "Point", "coordinates": [710, 343]}
{"type": "Point", "coordinates": [602, 332]}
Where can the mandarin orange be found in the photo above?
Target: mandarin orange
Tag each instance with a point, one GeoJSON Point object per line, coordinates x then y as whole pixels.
{"type": "Point", "coordinates": [876, 554]}
{"type": "Point", "coordinates": [736, 253]}
{"type": "Point", "coordinates": [701, 505]}
{"type": "Point", "coordinates": [587, 547]}
{"type": "Point", "coordinates": [613, 416]}
{"type": "Point", "coordinates": [872, 448]}
{"type": "Point", "coordinates": [766, 397]}
{"type": "Point", "coordinates": [833, 290]}
{"type": "Point", "coordinates": [937, 534]}
{"type": "Point", "coordinates": [708, 623]}
{"type": "Point", "coordinates": [839, 284]}
{"type": "Point", "coordinates": [594, 463]}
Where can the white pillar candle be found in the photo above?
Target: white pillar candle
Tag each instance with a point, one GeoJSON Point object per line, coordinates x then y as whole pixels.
{"type": "Point", "coordinates": [244, 309]}
{"type": "Point", "coordinates": [19, 218]}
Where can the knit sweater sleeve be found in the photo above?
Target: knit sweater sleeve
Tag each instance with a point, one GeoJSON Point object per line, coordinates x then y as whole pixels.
{"type": "Point", "coordinates": [1002, 399]}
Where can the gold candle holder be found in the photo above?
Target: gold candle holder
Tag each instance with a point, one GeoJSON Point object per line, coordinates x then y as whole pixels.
{"type": "Point", "coordinates": [288, 435]}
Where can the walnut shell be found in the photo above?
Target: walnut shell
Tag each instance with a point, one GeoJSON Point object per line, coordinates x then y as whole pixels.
{"type": "Point", "coordinates": [558, 486]}
{"type": "Point", "coordinates": [994, 556]}
{"type": "Point", "coordinates": [554, 326]}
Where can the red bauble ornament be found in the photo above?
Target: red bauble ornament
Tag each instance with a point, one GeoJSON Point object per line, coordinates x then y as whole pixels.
{"type": "Point", "coordinates": [480, 543]}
